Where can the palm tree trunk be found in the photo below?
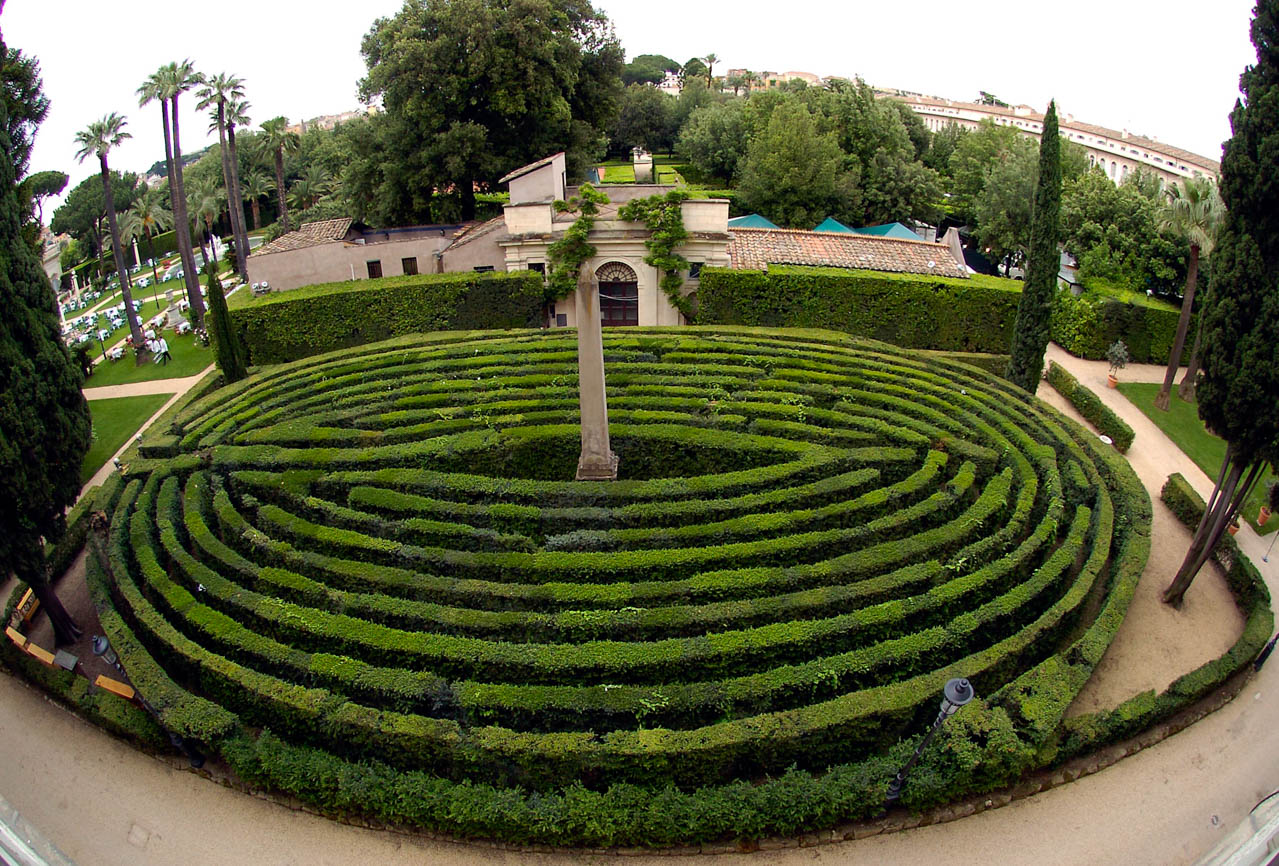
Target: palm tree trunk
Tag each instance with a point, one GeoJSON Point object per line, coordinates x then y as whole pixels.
{"type": "Point", "coordinates": [1183, 324]}
{"type": "Point", "coordinates": [279, 187]}
{"type": "Point", "coordinates": [225, 153]}
{"type": "Point", "coordinates": [135, 328]}
{"type": "Point", "coordinates": [190, 275]}
{"type": "Point", "coordinates": [237, 207]}
{"type": "Point", "coordinates": [155, 273]}
{"type": "Point", "coordinates": [257, 214]}
{"type": "Point", "coordinates": [1186, 390]}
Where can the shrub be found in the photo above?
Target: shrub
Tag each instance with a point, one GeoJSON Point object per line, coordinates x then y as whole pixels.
{"type": "Point", "coordinates": [1090, 406]}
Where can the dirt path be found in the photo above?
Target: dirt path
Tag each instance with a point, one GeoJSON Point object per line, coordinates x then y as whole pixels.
{"type": "Point", "coordinates": [102, 802]}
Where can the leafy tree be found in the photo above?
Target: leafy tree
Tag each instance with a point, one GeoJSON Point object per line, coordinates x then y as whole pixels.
{"type": "Point", "coordinates": [227, 346]}
{"type": "Point", "coordinates": [715, 138]}
{"type": "Point", "coordinates": [148, 216]}
{"type": "Point", "coordinates": [166, 85]}
{"type": "Point", "coordinates": [206, 201]}
{"type": "Point", "coordinates": [311, 187]}
{"type": "Point", "coordinates": [695, 68]}
{"type": "Point", "coordinates": [44, 419]}
{"type": "Point", "coordinates": [920, 135]}
{"type": "Point", "coordinates": [217, 92]}
{"type": "Point", "coordinates": [1030, 334]}
{"type": "Point", "coordinates": [984, 98]}
{"type": "Point", "coordinates": [941, 146]}
{"type": "Point", "coordinates": [35, 188]}
{"type": "Point", "coordinates": [795, 175]}
{"type": "Point", "coordinates": [279, 140]}
{"type": "Point", "coordinates": [1241, 354]}
{"type": "Point", "coordinates": [83, 209]}
{"type": "Point", "coordinates": [710, 60]}
{"type": "Point", "coordinates": [97, 139]}
{"type": "Point", "coordinates": [25, 105]}
{"type": "Point", "coordinates": [648, 69]}
{"type": "Point", "coordinates": [474, 88]}
{"type": "Point", "coordinates": [1192, 212]}
{"type": "Point", "coordinates": [970, 163]}
{"type": "Point", "coordinates": [645, 119]}
{"type": "Point", "coordinates": [1003, 207]}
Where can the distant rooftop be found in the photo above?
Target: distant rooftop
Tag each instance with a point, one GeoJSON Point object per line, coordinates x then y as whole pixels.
{"type": "Point", "coordinates": [756, 249]}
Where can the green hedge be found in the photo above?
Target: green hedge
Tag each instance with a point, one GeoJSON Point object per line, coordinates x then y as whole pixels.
{"type": "Point", "coordinates": [1087, 325]}
{"type": "Point", "coordinates": [1090, 406]}
{"type": "Point", "coordinates": [917, 312]}
{"type": "Point", "coordinates": [285, 326]}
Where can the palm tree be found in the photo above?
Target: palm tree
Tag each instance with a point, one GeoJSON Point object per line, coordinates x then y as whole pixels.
{"type": "Point", "coordinates": [149, 217]}
{"type": "Point", "coordinates": [257, 185]}
{"type": "Point", "coordinates": [1193, 211]}
{"type": "Point", "coordinates": [207, 201]}
{"type": "Point", "coordinates": [215, 92]}
{"type": "Point", "coordinates": [751, 79]}
{"type": "Point", "coordinates": [166, 84]}
{"type": "Point", "coordinates": [97, 139]}
{"type": "Point", "coordinates": [710, 60]}
{"type": "Point", "coordinates": [279, 140]}
{"type": "Point", "coordinates": [311, 186]}
{"type": "Point", "coordinates": [237, 114]}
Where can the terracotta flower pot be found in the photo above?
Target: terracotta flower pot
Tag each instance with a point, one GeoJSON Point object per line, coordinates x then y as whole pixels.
{"type": "Point", "coordinates": [1232, 528]}
{"type": "Point", "coordinates": [1112, 381]}
{"type": "Point", "coordinates": [1263, 515]}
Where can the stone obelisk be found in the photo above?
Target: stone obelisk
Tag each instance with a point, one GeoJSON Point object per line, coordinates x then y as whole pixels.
{"type": "Point", "coordinates": [598, 462]}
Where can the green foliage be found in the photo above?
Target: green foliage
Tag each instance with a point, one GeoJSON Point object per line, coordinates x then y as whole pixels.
{"type": "Point", "coordinates": [1090, 406]}
{"type": "Point", "coordinates": [715, 140]}
{"type": "Point", "coordinates": [794, 174]}
{"type": "Point", "coordinates": [970, 315]}
{"type": "Point", "coordinates": [1087, 325]}
{"type": "Point", "coordinates": [567, 254]}
{"type": "Point", "coordinates": [645, 119]}
{"type": "Point", "coordinates": [648, 69]}
{"type": "Point", "coordinates": [285, 326]}
{"type": "Point", "coordinates": [1031, 333]}
{"type": "Point", "coordinates": [226, 340]}
{"type": "Point", "coordinates": [663, 216]}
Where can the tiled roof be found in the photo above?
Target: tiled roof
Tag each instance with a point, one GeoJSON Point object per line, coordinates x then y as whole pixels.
{"type": "Point", "coordinates": [308, 235]}
{"type": "Point", "coordinates": [756, 249]}
{"type": "Point", "coordinates": [477, 230]}
{"type": "Point", "coordinates": [532, 166]}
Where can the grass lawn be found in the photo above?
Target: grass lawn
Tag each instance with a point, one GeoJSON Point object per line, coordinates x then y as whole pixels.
{"type": "Point", "coordinates": [114, 421]}
{"type": "Point", "coordinates": [617, 173]}
{"type": "Point", "coordinates": [189, 358]}
{"type": "Point", "coordinates": [1182, 425]}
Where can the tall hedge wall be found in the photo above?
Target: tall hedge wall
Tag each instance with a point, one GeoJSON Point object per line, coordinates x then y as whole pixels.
{"type": "Point", "coordinates": [289, 325]}
{"type": "Point", "coordinates": [907, 310]}
{"type": "Point", "coordinates": [918, 312]}
{"type": "Point", "coordinates": [1086, 325]}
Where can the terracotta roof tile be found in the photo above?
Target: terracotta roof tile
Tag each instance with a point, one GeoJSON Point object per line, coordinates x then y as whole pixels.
{"type": "Point", "coordinates": [756, 249]}
{"type": "Point", "coordinates": [308, 235]}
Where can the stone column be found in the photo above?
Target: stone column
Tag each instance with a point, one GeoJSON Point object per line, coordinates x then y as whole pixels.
{"type": "Point", "coordinates": [598, 462]}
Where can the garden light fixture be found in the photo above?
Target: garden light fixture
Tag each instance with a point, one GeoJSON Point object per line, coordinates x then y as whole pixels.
{"type": "Point", "coordinates": [955, 694]}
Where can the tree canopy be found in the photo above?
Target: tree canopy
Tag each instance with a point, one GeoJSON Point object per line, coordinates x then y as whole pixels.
{"type": "Point", "coordinates": [474, 88]}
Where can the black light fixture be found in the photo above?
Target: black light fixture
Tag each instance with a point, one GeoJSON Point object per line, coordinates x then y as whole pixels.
{"type": "Point", "coordinates": [955, 694]}
{"type": "Point", "coordinates": [102, 649]}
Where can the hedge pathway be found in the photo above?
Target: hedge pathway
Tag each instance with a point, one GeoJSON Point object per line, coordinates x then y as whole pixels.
{"type": "Point", "coordinates": [1164, 805]}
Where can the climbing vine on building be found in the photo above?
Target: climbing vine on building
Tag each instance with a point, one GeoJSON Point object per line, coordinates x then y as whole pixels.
{"type": "Point", "coordinates": [567, 254]}
{"type": "Point", "coordinates": [663, 216]}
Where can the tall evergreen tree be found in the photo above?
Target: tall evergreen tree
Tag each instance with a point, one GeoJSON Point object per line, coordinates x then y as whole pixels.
{"type": "Point", "coordinates": [226, 343]}
{"type": "Point", "coordinates": [1237, 397]}
{"type": "Point", "coordinates": [1030, 336]}
{"type": "Point", "coordinates": [44, 419]}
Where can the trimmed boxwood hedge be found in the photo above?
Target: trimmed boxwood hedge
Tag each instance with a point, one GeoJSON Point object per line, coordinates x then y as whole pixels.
{"type": "Point", "coordinates": [391, 626]}
{"type": "Point", "coordinates": [285, 326]}
{"type": "Point", "coordinates": [1087, 325]}
{"type": "Point", "coordinates": [1090, 406]}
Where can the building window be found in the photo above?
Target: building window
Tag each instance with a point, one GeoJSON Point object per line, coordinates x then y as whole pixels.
{"type": "Point", "coordinates": [540, 267]}
{"type": "Point", "coordinates": [619, 295]}
{"type": "Point", "coordinates": [482, 269]}
{"type": "Point", "coordinates": [375, 268]}
{"type": "Point", "coordinates": [694, 270]}
{"type": "Point", "coordinates": [410, 266]}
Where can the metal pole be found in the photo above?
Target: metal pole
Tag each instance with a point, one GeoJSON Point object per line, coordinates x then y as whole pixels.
{"type": "Point", "coordinates": [1266, 558]}
{"type": "Point", "coordinates": [895, 787]}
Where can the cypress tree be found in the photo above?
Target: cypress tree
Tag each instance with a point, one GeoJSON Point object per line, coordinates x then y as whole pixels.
{"type": "Point", "coordinates": [44, 419]}
{"type": "Point", "coordinates": [1030, 336]}
{"type": "Point", "coordinates": [1237, 397]}
{"type": "Point", "coordinates": [226, 342]}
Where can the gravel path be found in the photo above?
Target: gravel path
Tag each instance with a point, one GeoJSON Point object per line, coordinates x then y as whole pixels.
{"type": "Point", "coordinates": [104, 803]}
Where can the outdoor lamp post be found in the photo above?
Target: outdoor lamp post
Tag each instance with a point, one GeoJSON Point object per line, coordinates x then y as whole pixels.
{"type": "Point", "coordinates": [956, 693]}
{"type": "Point", "coordinates": [102, 649]}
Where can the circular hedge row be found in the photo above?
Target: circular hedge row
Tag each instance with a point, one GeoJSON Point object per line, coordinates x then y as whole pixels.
{"type": "Point", "coordinates": [368, 579]}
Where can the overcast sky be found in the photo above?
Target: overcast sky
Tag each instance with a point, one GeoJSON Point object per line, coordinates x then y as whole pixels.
{"type": "Point", "coordinates": [1168, 70]}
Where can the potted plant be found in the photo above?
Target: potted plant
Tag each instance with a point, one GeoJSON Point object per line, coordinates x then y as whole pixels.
{"type": "Point", "coordinates": [1271, 503]}
{"type": "Point", "coordinates": [1233, 527]}
{"type": "Point", "coordinates": [1117, 355]}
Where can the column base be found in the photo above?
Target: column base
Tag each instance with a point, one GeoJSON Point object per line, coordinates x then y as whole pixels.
{"type": "Point", "coordinates": [595, 468]}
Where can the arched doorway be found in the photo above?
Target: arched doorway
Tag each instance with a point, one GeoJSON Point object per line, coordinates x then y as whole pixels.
{"type": "Point", "coordinates": [619, 295]}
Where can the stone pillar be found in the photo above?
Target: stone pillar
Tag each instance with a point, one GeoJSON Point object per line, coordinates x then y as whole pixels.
{"type": "Point", "coordinates": [598, 462]}
{"type": "Point", "coordinates": [137, 259]}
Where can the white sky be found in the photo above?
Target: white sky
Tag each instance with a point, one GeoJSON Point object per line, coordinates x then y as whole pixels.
{"type": "Point", "coordinates": [1167, 70]}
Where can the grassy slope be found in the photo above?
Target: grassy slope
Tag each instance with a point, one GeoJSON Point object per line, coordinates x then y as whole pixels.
{"type": "Point", "coordinates": [1182, 425]}
{"type": "Point", "coordinates": [114, 421]}
{"type": "Point", "coordinates": [189, 358]}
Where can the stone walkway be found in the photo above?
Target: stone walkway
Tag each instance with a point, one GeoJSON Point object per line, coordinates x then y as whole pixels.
{"type": "Point", "coordinates": [104, 803]}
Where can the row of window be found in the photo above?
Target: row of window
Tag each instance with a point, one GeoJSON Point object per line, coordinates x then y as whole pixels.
{"type": "Point", "coordinates": [408, 265]}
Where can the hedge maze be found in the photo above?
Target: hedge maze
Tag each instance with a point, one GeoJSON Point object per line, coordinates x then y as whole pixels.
{"type": "Point", "coordinates": [367, 579]}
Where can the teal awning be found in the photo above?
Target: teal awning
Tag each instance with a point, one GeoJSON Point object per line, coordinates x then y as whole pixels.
{"type": "Point", "coordinates": [751, 221]}
{"type": "Point", "coordinates": [887, 230]}
{"type": "Point", "coordinates": [830, 224]}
